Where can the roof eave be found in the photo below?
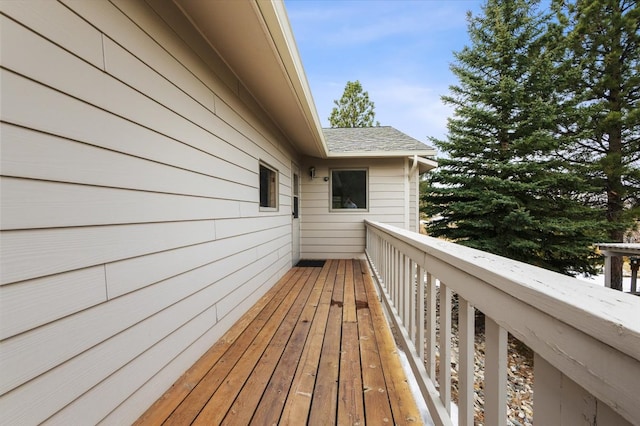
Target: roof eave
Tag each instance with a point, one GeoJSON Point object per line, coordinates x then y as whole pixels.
{"type": "Point", "coordinates": [245, 33]}
{"type": "Point", "coordinates": [382, 154]}
{"type": "Point", "coordinates": [424, 164]}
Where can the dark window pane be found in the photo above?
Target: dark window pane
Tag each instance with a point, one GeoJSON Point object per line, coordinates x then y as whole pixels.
{"type": "Point", "coordinates": [267, 187]}
{"type": "Point", "coordinates": [349, 189]}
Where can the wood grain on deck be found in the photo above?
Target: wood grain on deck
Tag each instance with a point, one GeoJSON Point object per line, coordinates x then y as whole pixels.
{"type": "Point", "coordinates": [316, 349]}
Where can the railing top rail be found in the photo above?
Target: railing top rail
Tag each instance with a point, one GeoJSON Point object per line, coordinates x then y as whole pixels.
{"type": "Point", "coordinates": [611, 316]}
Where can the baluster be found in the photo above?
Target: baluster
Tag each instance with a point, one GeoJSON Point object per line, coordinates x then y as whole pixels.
{"type": "Point", "coordinates": [411, 326]}
{"type": "Point", "coordinates": [399, 302]}
{"type": "Point", "coordinates": [406, 298]}
{"type": "Point", "coordinates": [392, 271]}
{"type": "Point", "coordinates": [402, 287]}
{"type": "Point", "coordinates": [379, 253]}
{"type": "Point", "coordinates": [430, 361]}
{"type": "Point", "coordinates": [367, 244]}
{"type": "Point", "coordinates": [396, 288]}
{"type": "Point", "coordinates": [374, 246]}
{"type": "Point", "coordinates": [386, 265]}
{"type": "Point", "coordinates": [420, 299]}
{"type": "Point", "coordinates": [444, 378]}
{"type": "Point", "coordinates": [466, 334]}
{"type": "Point", "coordinates": [495, 374]}
{"type": "Point", "coordinates": [391, 266]}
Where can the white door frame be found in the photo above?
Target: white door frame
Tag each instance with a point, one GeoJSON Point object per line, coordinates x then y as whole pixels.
{"type": "Point", "coordinates": [295, 213]}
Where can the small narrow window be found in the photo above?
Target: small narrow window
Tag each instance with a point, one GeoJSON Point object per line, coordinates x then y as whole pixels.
{"type": "Point", "coordinates": [349, 190]}
{"type": "Point", "coordinates": [268, 187]}
{"type": "Point", "coordinates": [296, 196]}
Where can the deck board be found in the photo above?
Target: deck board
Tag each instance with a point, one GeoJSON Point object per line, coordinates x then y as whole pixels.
{"type": "Point", "coordinates": [316, 349]}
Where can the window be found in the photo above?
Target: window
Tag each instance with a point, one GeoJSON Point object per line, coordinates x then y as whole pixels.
{"type": "Point", "coordinates": [296, 196]}
{"type": "Point", "coordinates": [349, 189]}
{"type": "Point", "coordinates": [268, 187]}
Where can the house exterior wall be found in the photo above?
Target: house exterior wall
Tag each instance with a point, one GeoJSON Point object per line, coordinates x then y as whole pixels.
{"type": "Point", "coordinates": [414, 198]}
{"type": "Point", "coordinates": [131, 233]}
{"type": "Point", "coordinates": [339, 234]}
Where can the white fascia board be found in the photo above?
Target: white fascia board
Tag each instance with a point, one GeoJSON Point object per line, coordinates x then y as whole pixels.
{"type": "Point", "coordinates": [381, 154]}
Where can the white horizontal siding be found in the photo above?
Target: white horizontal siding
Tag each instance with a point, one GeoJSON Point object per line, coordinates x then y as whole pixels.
{"type": "Point", "coordinates": [40, 204]}
{"type": "Point", "coordinates": [131, 232]}
{"type": "Point", "coordinates": [32, 303]}
{"type": "Point", "coordinates": [144, 366]}
{"type": "Point", "coordinates": [60, 25]}
{"type": "Point", "coordinates": [54, 67]}
{"type": "Point", "coordinates": [414, 202]}
{"type": "Point", "coordinates": [337, 234]}
{"type": "Point", "coordinates": [138, 272]}
{"type": "Point", "coordinates": [34, 253]}
{"type": "Point", "coordinates": [63, 384]}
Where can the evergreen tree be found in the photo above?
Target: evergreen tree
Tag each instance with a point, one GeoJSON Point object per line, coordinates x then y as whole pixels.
{"type": "Point", "coordinates": [354, 109]}
{"type": "Point", "coordinates": [499, 189]}
{"type": "Point", "coordinates": [600, 124]}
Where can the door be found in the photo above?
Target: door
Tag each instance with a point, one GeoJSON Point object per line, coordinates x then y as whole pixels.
{"type": "Point", "coordinates": [295, 214]}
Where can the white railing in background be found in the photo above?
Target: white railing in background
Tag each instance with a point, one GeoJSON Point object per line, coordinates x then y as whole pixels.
{"type": "Point", "coordinates": [585, 338]}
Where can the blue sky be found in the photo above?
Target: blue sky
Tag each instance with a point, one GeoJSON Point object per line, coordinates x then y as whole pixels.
{"type": "Point", "coordinates": [399, 50]}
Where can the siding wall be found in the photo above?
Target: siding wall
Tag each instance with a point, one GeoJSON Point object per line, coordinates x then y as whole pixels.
{"type": "Point", "coordinates": [131, 232]}
{"type": "Point", "coordinates": [340, 234]}
{"type": "Point", "coordinates": [414, 200]}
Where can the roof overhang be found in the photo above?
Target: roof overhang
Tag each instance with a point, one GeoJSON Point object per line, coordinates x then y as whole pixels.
{"type": "Point", "coordinates": [417, 157]}
{"type": "Point", "coordinates": [381, 154]}
{"type": "Point", "coordinates": [256, 41]}
{"type": "Point", "coordinates": [619, 249]}
{"type": "Point", "coordinates": [423, 164]}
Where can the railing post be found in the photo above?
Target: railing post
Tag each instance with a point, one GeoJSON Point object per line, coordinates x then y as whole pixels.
{"type": "Point", "coordinates": [495, 374]}
{"type": "Point", "coordinates": [444, 376]}
{"type": "Point", "coordinates": [466, 336]}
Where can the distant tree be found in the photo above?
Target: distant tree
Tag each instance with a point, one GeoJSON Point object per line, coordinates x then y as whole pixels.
{"type": "Point", "coordinates": [600, 123]}
{"type": "Point", "coordinates": [354, 109]}
{"type": "Point", "coordinates": [498, 188]}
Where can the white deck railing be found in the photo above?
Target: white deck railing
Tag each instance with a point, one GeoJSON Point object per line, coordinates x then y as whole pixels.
{"type": "Point", "coordinates": [585, 338]}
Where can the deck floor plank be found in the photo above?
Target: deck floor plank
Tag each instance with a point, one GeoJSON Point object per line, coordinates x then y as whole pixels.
{"type": "Point", "coordinates": [298, 403]}
{"type": "Point", "coordinates": [316, 349]}
{"type": "Point", "coordinates": [376, 399]}
{"type": "Point", "coordinates": [350, 390]}
{"type": "Point", "coordinates": [190, 384]}
{"type": "Point", "coordinates": [189, 409]}
{"type": "Point", "coordinates": [220, 402]}
{"type": "Point", "coordinates": [247, 400]}
{"type": "Point", "coordinates": [272, 403]}
{"type": "Point", "coordinates": [400, 396]}
{"type": "Point", "coordinates": [325, 394]}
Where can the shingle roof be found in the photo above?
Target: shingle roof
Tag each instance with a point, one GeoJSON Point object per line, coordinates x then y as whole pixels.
{"type": "Point", "coordinates": [371, 139]}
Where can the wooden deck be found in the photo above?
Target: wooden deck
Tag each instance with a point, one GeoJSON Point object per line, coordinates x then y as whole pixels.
{"type": "Point", "coordinates": [316, 349]}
